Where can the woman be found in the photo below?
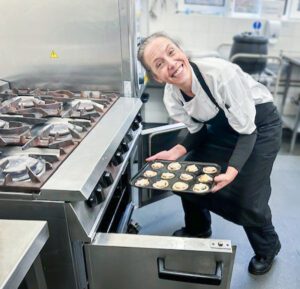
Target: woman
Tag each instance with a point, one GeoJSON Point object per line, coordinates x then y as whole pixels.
{"type": "Point", "coordinates": [232, 121]}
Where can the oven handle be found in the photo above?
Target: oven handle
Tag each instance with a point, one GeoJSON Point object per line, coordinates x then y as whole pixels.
{"type": "Point", "coordinates": [209, 279]}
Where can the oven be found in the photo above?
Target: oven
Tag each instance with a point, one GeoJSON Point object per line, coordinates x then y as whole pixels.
{"type": "Point", "coordinates": [78, 180]}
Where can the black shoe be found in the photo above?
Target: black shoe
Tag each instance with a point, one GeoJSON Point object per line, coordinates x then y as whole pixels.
{"type": "Point", "coordinates": [260, 265]}
{"type": "Point", "coordinates": [184, 233]}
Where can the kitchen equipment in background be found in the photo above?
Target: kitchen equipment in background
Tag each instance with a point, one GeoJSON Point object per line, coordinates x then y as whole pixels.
{"type": "Point", "coordinates": [249, 43]}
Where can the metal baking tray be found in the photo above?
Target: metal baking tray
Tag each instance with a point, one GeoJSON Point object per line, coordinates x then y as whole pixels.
{"type": "Point", "coordinates": [189, 187]}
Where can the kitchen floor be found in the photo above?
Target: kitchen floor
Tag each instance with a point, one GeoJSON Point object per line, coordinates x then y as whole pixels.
{"type": "Point", "coordinates": [165, 216]}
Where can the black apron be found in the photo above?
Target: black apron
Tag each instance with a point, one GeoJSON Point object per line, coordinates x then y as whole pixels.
{"type": "Point", "coordinates": [245, 200]}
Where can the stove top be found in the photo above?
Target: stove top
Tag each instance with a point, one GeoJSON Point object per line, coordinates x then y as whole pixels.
{"type": "Point", "coordinates": [39, 129]}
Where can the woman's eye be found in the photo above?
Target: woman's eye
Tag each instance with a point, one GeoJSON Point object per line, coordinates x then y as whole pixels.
{"type": "Point", "coordinates": [171, 52]}
{"type": "Point", "coordinates": [158, 65]}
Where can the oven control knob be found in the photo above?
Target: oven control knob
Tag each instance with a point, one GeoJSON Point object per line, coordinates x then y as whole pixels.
{"type": "Point", "coordinates": [117, 158]}
{"type": "Point", "coordinates": [96, 197]}
{"type": "Point", "coordinates": [135, 125]}
{"type": "Point", "coordinates": [128, 137]}
{"type": "Point", "coordinates": [139, 117]}
{"type": "Point", "coordinates": [124, 146]}
{"type": "Point", "coordinates": [106, 179]}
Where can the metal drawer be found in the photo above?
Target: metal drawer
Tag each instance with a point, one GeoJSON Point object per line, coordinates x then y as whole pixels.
{"type": "Point", "coordinates": [128, 261]}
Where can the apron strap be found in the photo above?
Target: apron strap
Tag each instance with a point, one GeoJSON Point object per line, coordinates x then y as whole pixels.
{"type": "Point", "coordinates": [204, 85]}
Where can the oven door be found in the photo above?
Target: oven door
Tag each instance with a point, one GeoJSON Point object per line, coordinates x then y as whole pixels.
{"type": "Point", "coordinates": [152, 141]}
{"type": "Point", "coordinates": [129, 261]}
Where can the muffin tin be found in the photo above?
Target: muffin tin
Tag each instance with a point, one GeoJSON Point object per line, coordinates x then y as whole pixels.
{"type": "Point", "coordinates": [155, 174]}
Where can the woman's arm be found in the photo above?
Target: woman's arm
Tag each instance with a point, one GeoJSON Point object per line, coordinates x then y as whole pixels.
{"type": "Point", "coordinates": [172, 154]}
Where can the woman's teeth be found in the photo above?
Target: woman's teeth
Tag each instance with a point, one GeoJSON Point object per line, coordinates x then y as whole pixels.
{"type": "Point", "coordinates": [177, 71]}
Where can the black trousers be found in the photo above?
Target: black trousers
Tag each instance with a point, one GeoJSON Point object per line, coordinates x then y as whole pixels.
{"type": "Point", "coordinates": [245, 200]}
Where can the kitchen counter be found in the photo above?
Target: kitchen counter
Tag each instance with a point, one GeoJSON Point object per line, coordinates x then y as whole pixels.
{"type": "Point", "coordinates": [20, 245]}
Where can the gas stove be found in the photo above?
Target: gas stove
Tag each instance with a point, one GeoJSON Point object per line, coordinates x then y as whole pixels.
{"type": "Point", "coordinates": [39, 129]}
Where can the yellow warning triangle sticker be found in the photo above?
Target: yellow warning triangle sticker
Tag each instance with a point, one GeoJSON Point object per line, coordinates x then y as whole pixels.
{"type": "Point", "coordinates": [53, 54]}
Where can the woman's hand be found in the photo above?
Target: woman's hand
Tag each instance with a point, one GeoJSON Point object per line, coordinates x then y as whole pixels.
{"type": "Point", "coordinates": [223, 180]}
{"type": "Point", "coordinates": [171, 155]}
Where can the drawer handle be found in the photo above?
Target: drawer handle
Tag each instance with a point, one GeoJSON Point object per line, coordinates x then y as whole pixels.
{"type": "Point", "coordinates": [209, 279]}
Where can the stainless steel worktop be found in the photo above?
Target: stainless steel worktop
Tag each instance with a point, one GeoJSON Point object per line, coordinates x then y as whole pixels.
{"type": "Point", "coordinates": [20, 244]}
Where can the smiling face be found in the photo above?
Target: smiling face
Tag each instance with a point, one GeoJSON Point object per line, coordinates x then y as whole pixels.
{"type": "Point", "coordinates": [168, 63]}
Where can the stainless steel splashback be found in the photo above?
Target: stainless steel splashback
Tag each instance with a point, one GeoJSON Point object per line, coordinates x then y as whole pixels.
{"type": "Point", "coordinates": [70, 44]}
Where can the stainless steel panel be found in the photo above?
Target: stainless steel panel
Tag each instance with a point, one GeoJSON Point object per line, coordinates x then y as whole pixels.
{"type": "Point", "coordinates": [57, 255]}
{"type": "Point", "coordinates": [131, 261]}
{"type": "Point", "coordinates": [83, 220]}
{"type": "Point", "coordinates": [85, 36]}
{"type": "Point", "coordinates": [18, 254]}
{"type": "Point", "coordinates": [70, 184]}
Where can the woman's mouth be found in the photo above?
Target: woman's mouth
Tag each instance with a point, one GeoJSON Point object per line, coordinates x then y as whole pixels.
{"type": "Point", "coordinates": [177, 71]}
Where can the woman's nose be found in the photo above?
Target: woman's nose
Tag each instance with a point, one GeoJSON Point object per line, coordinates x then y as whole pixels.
{"type": "Point", "coordinates": [171, 63]}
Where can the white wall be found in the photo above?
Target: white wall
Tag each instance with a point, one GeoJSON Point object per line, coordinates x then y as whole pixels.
{"type": "Point", "coordinates": [203, 33]}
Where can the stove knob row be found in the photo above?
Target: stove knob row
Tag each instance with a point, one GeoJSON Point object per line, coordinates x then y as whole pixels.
{"type": "Point", "coordinates": [117, 158]}
{"type": "Point", "coordinates": [106, 180]}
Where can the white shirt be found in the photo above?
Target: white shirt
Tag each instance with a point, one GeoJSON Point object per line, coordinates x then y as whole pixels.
{"type": "Point", "coordinates": [229, 85]}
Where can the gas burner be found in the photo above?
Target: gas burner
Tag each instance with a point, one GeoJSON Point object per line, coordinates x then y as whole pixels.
{"type": "Point", "coordinates": [28, 101]}
{"type": "Point", "coordinates": [86, 109]}
{"type": "Point", "coordinates": [31, 106]}
{"type": "Point", "coordinates": [59, 129]}
{"type": "Point", "coordinates": [13, 132]}
{"type": "Point", "coordinates": [59, 134]}
{"type": "Point", "coordinates": [63, 96]}
{"type": "Point", "coordinates": [21, 169]}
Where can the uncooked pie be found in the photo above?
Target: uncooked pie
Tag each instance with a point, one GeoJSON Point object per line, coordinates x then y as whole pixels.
{"type": "Point", "coordinates": [210, 170]}
{"type": "Point", "coordinates": [186, 177]}
{"type": "Point", "coordinates": [167, 176]}
{"type": "Point", "coordinates": [200, 188]}
{"type": "Point", "coordinates": [205, 178]}
{"type": "Point", "coordinates": [191, 168]}
{"type": "Point", "coordinates": [142, 183]}
{"type": "Point", "coordinates": [161, 184]}
{"type": "Point", "coordinates": [157, 165]}
{"type": "Point", "coordinates": [175, 166]}
{"type": "Point", "coordinates": [150, 174]}
{"type": "Point", "coordinates": [180, 186]}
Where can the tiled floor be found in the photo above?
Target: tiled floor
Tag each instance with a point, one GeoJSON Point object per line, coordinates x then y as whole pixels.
{"type": "Point", "coordinates": [165, 216]}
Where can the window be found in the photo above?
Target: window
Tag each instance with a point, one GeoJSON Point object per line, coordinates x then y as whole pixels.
{"type": "Point", "coordinates": [202, 6]}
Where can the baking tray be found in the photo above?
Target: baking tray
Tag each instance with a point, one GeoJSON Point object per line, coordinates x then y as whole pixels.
{"type": "Point", "coordinates": [189, 185]}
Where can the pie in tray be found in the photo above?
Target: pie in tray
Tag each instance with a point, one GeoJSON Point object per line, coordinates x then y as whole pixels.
{"type": "Point", "coordinates": [142, 183]}
{"type": "Point", "coordinates": [180, 186]}
{"type": "Point", "coordinates": [150, 174]}
{"type": "Point", "coordinates": [210, 170]}
{"type": "Point", "coordinates": [200, 188]}
{"type": "Point", "coordinates": [161, 184]}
